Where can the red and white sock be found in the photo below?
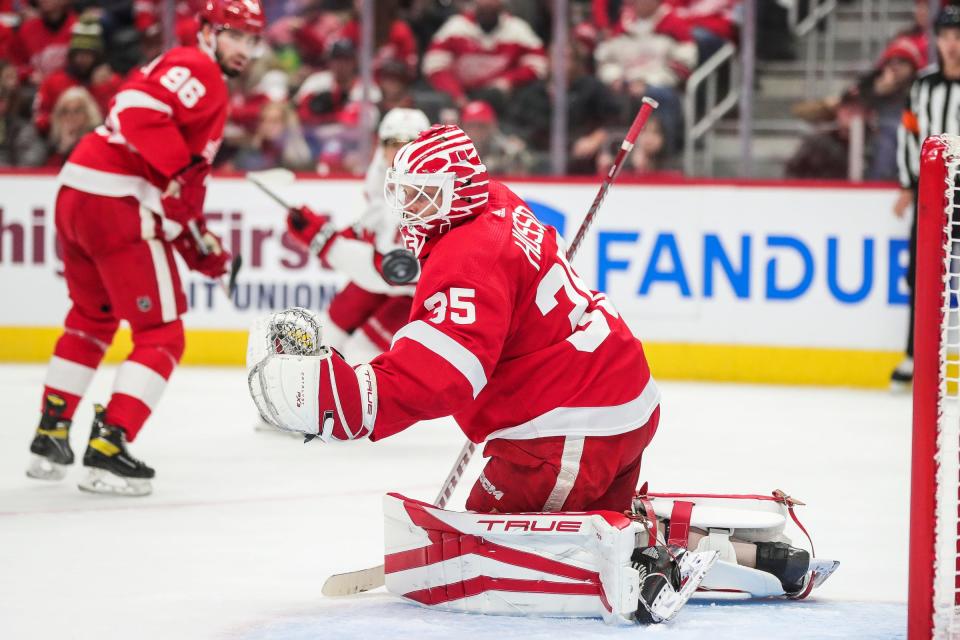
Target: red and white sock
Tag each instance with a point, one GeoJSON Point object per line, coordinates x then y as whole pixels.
{"type": "Point", "coordinates": [76, 357]}
{"type": "Point", "coordinates": [142, 378]}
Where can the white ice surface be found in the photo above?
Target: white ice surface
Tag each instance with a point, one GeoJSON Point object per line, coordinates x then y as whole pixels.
{"type": "Point", "coordinates": [244, 526]}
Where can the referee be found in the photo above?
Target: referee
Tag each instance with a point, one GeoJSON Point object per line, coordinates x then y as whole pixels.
{"type": "Point", "coordinates": [932, 108]}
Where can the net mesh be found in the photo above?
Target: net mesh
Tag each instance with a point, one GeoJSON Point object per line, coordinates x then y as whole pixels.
{"type": "Point", "coordinates": [947, 556]}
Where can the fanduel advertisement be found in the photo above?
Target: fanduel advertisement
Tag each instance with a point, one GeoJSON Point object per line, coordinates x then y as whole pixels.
{"type": "Point", "coordinates": [778, 266]}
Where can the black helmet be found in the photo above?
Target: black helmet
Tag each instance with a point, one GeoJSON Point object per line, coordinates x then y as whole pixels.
{"type": "Point", "coordinates": [948, 18]}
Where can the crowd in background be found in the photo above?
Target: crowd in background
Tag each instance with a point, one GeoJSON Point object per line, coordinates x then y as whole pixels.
{"type": "Point", "coordinates": [876, 99]}
{"type": "Point", "coordinates": [482, 64]}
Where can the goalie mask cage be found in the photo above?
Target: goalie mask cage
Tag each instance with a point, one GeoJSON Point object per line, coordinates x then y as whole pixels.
{"type": "Point", "coordinates": [935, 481]}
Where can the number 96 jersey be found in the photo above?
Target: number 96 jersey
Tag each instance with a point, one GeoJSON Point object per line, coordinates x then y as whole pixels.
{"type": "Point", "coordinates": [166, 114]}
{"type": "Point", "coordinates": [506, 337]}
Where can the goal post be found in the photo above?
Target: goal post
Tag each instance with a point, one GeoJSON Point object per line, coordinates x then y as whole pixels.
{"type": "Point", "coordinates": [935, 475]}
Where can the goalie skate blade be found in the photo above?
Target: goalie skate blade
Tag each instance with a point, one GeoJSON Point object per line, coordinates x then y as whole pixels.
{"type": "Point", "coordinates": [821, 570]}
{"type": "Point", "coordinates": [694, 566]}
{"type": "Point", "coordinates": [348, 584]}
{"type": "Point", "coordinates": [106, 483]}
{"type": "Point", "coordinates": [818, 573]}
{"type": "Point", "coordinates": [42, 469]}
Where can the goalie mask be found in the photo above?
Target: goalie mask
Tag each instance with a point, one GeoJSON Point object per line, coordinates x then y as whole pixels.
{"type": "Point", "coordinates": [436, 182]}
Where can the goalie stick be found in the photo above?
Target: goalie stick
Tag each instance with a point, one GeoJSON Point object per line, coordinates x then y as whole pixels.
{"type": "Point", "coordinates": [344, 584]}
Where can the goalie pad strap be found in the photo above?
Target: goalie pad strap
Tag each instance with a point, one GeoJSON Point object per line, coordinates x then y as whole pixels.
{"type": "Point", "coordinates": [651, 518]}
{"type": "Point", "coordinates": [680, 523]}
{"type": "Point", "coordinates": [789, 502]}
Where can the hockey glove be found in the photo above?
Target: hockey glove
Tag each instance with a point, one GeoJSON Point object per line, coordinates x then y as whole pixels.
{"type": "Point", "coordinates": [213, 261]}
{"type": "Point", "coordinates": [319, 396]}
{"type": "Point", "coordinates": [183, 199]}
{"type": "Point", "coordinates": [311, 229]}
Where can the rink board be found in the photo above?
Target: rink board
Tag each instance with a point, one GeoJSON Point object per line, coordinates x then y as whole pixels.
{"type": "Point", "coordinates": [722, 281]}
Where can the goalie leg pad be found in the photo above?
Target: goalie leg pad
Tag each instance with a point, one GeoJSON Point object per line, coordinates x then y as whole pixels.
{"type": "Point", "coordinates": [536, 564]}
{"type": "Point", "coordinates": [556, 564]}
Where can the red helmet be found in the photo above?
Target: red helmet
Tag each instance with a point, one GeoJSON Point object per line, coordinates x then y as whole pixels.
{"type": "Point", "coordinates": [239, 15]}
{"type": "Point", "coordinates": [436, 182]}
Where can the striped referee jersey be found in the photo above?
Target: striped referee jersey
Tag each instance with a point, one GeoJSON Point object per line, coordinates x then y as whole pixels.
{"type": "Point", "coordinates": [932, 108]}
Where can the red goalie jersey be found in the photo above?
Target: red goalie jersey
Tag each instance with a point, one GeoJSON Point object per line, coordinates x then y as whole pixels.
{"type": "Point", "coordinates": [166, 114]}
{"type": "Point", "coordinates": [506, 337]}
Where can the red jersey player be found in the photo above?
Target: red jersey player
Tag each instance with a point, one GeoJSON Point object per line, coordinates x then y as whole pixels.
{"type": "Point", "coordinates": [503, 335]}
{"type": "Point", "coordinates": [131, 193]}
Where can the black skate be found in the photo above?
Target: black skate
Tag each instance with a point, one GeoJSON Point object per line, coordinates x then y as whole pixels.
{"type": "Point", "coordinates": [668, 577]}
{"type": "Point", "coordinates": [112, 469]}
{"type": "Point", "coordinates": [902, 376]}
{"type": "Point", "coordinates": [789, 565]}
{"type": "Point", "coordinates": [51, 443]}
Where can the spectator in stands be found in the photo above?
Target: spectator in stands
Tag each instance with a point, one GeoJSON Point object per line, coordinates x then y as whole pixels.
{"type": "Point", "coordinates": [484, 54]}
{"type": "Point", "coordinates": [648, 157]}
{"type": "Point", "coordinates": [245, 107]}
{"type": "Point", "coordinates": [313, 30]}
{"type": "Point", "coordinates": [278, 142]}
{"type": "Point", "coordinates": [592, 109]}
{"type": "Point", "coordinates": [711, 22]}
{"type": "Point", "coordinates": [823, 155]}
{"type": "Point", "coordinates": [395, 80]}
{"type": "Point", "coordinates": [84, 68]}
{"type": "Point", "coordinates": [877, 98]}
{"type": "Point", "coordinates": [885, 92]}
{"type": "Point", "coordinates": [653, 54]}
{"type": "Point", "coordinates": [425, 18]}
{"type": "Point", "coordinates": [74, 114]}
{"type": "Point", "coordinates": [20, 144]}
{"type": "Point", "coordinates": [393, 40]}
{"type": "Point", "coordinates": [503, 155]}
{"type": "Point", "coordinates": [324, 95]}
{"type": "Point", "coordinates": [40, 44]}
{"type": "Point", "coordinates": [917, 32]}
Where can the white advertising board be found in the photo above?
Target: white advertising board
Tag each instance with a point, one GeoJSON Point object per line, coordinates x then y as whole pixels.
{"type": "Point", "coordinates": [684, 263]}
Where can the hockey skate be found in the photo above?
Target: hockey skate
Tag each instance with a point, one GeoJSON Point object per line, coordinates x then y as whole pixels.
{"type": "Point", "coordinates": [50, 449]}
{"type": "Point", "coordinates": [112, 470]}
{"type": "Point", "coordinates": [902, 376]}
{"type": "Point", "coordinates": [780, 570]}
{"type": "Point", "coordinates": [668, 577]}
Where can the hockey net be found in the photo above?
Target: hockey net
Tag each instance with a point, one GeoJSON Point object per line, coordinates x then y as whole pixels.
{"type": "Point", "coordinates": [935, 493]}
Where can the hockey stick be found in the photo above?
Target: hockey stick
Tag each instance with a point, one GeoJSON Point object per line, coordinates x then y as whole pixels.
{"type": "Point", "coordinates": [235, 265]}
{"type": "Point", "coordinates": [264, 180]}
{"type": "Point", "coordinates": [230, 285]}
{"type": "Point", "coordinates": [343, 584]}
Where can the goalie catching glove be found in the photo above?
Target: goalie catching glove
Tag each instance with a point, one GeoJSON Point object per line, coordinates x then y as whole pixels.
{"type": "Point", "coordinates": [299, 385]}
